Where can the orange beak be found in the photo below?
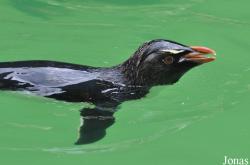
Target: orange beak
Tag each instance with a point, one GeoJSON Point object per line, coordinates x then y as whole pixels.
{"type": "Point", "coordinates": [200, 55]}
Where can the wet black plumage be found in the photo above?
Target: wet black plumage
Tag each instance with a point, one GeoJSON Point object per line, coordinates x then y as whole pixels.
{"type": "Point", "coordinates": [156, 62]}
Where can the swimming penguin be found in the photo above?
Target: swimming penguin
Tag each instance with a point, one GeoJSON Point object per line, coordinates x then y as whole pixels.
{"type": "Point", "coordinates": [157, 62]}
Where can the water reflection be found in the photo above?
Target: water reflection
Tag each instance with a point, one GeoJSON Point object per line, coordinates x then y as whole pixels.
{"type": "Point", "coordinates": [94, 124]}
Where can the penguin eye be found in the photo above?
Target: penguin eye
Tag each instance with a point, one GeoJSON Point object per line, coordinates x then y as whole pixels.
{"type": "Point", "coordinates": [168, 60]}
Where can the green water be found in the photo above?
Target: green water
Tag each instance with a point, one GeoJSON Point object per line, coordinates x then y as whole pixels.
{"type": "Point", "coordinates": [199, 120]}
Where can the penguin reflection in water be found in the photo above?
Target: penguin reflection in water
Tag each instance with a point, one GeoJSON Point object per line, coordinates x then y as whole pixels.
{"type": "Point", "coordinates": [157, 62]}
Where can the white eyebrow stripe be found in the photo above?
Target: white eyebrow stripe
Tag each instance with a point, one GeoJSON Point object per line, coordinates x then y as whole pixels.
{"type": "Point", "coordinates": [173, 51]}
{"type": "Point", "coordinates": [150, 57]}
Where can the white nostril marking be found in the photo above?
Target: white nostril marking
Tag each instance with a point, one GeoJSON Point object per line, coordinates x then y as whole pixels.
{"type": "Point", "coordinates": [181, 60]}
